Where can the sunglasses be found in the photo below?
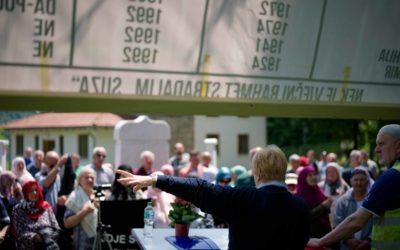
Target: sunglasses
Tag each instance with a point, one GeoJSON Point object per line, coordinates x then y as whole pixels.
{"type": "Point", "coordinates": [101, 156]}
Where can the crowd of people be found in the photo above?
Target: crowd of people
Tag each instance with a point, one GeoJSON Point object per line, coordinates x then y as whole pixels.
{"type": "Point", "coordinates": [48, 199]}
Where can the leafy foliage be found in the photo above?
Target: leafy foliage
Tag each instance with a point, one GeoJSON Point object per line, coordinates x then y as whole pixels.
{"type": "Point", "coordinates": [298, 135]}
{"type": "Point", "coordinates": [182, 213]}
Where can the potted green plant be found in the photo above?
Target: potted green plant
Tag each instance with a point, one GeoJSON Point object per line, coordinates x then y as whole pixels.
{"type": "Point", "coordinates": [181, 216]}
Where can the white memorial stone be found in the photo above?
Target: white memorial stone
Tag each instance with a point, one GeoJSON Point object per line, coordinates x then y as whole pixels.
{"type": "Point", "coordinates": [3, 154]}
{"type": "Point", "coordinates": [134, 137]}
{"type": "Point", "coordinates": [211, 146]}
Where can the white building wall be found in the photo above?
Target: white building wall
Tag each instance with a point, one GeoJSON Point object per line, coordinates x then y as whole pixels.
{"type": "Point", "coordinates": [97, 137]}
{"type": "Point", "coordinates": [228, 128]}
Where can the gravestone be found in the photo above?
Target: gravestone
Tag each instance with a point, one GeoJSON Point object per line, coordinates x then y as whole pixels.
{"type": "Point", "coordinates": [134, 137]}
{"type": "Point", "coordinates": [3, 153]}
{"type": "Point", "coordinates": [211, 147]}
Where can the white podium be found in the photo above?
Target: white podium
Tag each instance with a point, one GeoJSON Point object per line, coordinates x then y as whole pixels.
{"type": "Point", "coordinates": [219, 236]}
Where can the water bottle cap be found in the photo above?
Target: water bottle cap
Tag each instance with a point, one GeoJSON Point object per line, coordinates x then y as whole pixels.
{"type": "Point", "coordinates": [149, 203]}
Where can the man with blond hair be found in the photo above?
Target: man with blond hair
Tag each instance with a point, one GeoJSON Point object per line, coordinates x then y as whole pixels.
{"type": "Point", "coordinates": [282, 217]}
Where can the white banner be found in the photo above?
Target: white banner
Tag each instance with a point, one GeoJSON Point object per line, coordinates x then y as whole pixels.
{"type": "Point", "coordinates": [342, 51]}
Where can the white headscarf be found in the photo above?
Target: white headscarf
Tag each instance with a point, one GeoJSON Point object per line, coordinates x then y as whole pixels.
{"type": "Point", "coordinates": [23, 176]}
{"type": "Point", "coordinates": [76, 200]}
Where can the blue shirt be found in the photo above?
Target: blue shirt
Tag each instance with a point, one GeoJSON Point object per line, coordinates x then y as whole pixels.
{"type": "Point", "coordinates": [81, 240]}
{"type": "Point", "coordinates": [384, 194]}
{"type": "Point", "coordinates": [50, 193]}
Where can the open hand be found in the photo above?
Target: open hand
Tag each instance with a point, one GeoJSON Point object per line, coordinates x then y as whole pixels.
{"type": "Point", "coordinates": [137, 181]}
{"type": "Point", "coordinates": [62, 160]}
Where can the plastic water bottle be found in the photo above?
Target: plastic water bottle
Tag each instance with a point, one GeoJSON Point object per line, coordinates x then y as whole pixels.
{"type": "Point", "coordinates": [148, 221]}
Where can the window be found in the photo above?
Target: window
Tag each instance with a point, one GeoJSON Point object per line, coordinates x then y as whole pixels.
{"type": "Point", "coordinates": [83, 141]}
{"type": "Point", "coordinates": [48, 145]}
{"type": "Point", "coordinates": [36, 142]}
{"type": "Point", "coordinates": [61, 143]}
{"type": "Point", "coordinates": [216, 136]}
{"type": "Point", "coordinates": [19, 145]}
{"type": "Point", "coordinates": [243, 144]}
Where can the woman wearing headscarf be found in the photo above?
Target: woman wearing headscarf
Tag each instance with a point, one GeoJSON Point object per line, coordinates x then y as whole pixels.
{"type": "Point", "coordinates": [333, 186]}
{"type": "Point", "coordinates": [7, 186]}
{"type": "Point", "coordinates": [318, 203]}
{"type": "Point", "coordinates": [349, 203]}
{"type": "Point", "coordinates": [34, 221]}
{"type": "Point", "coordinates": [19, 169]}
{"type": "Point", "coordinates": [241, 177]}
{"type": "Point", "coordinates": [81, 212]}
{"type": "Point", "coordinates": [122, 193]}
{"type": "Point", "coordinates": [7, 183]}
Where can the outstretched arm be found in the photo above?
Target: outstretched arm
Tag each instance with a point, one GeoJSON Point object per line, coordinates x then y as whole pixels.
{"type": "Point", "coordinates": [213, 199]}
{"type": "Point", "coordinates": [136, 181]}
{"type": "Point", "coordinates": [348, 227]}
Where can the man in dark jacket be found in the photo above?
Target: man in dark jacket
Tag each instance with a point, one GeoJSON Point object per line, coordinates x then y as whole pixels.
{"type": "Point", "coordinates": [266, 217]}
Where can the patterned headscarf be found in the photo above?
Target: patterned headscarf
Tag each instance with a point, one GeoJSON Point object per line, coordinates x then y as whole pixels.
{"type": "Point", "coordinates": [7, 178]}
{"type": "Point", "coordinates": [33, 208]}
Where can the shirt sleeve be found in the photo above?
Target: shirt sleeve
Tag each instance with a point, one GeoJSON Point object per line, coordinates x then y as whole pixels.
{"type": "Point", "coordinates": [209, 198]}
{"type": "Point", "coordinates": [68, 213]}
{"type": "Point", "coordinates": [384, 193]}
{"type": "Point", "coordinates": [4, 218]}
{"type": "Point", "coordinates": [340, 214]}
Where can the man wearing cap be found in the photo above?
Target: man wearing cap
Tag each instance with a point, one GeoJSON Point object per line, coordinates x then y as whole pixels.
{"type": "Point", "coordinates": [382, 203]}
{"type": "Point", "coordinates": [291, 182]}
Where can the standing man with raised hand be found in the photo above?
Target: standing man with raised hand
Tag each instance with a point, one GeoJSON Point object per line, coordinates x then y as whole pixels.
{"type": "Point", "coordinates": [383, 201]}
{"type": "Point", "coordinates": [266, 217]}
{"type": "Point", "coordinates": [50, 179]}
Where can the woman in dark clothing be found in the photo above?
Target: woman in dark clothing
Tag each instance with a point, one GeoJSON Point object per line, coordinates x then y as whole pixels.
{"type": "Point", "coordinates": [317, 202]}
{"type": "Point", "coordinates": [119, 192]}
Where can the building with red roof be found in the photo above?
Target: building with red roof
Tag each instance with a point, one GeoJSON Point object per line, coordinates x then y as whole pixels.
{"type": "Point", "coordinates": [64, 133]}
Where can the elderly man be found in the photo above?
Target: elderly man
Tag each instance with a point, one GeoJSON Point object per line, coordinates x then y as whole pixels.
{"type": "Point", "coordinates": [383, 201]}
{"type": "Point", "coordinates": [104, 174]}
{"type": "Point", "coordinates": [264, 217]}
{"type": "Point", "coordinates": [50, 180]}
{"type": "Point", "coordinates": [28, 156]}
{"type": "Point", "coordinates": [37, 164]}
{"type": "Point", "coordinates": [294, 160]}
{"type": "Point", "coordinates": [146, 159]}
